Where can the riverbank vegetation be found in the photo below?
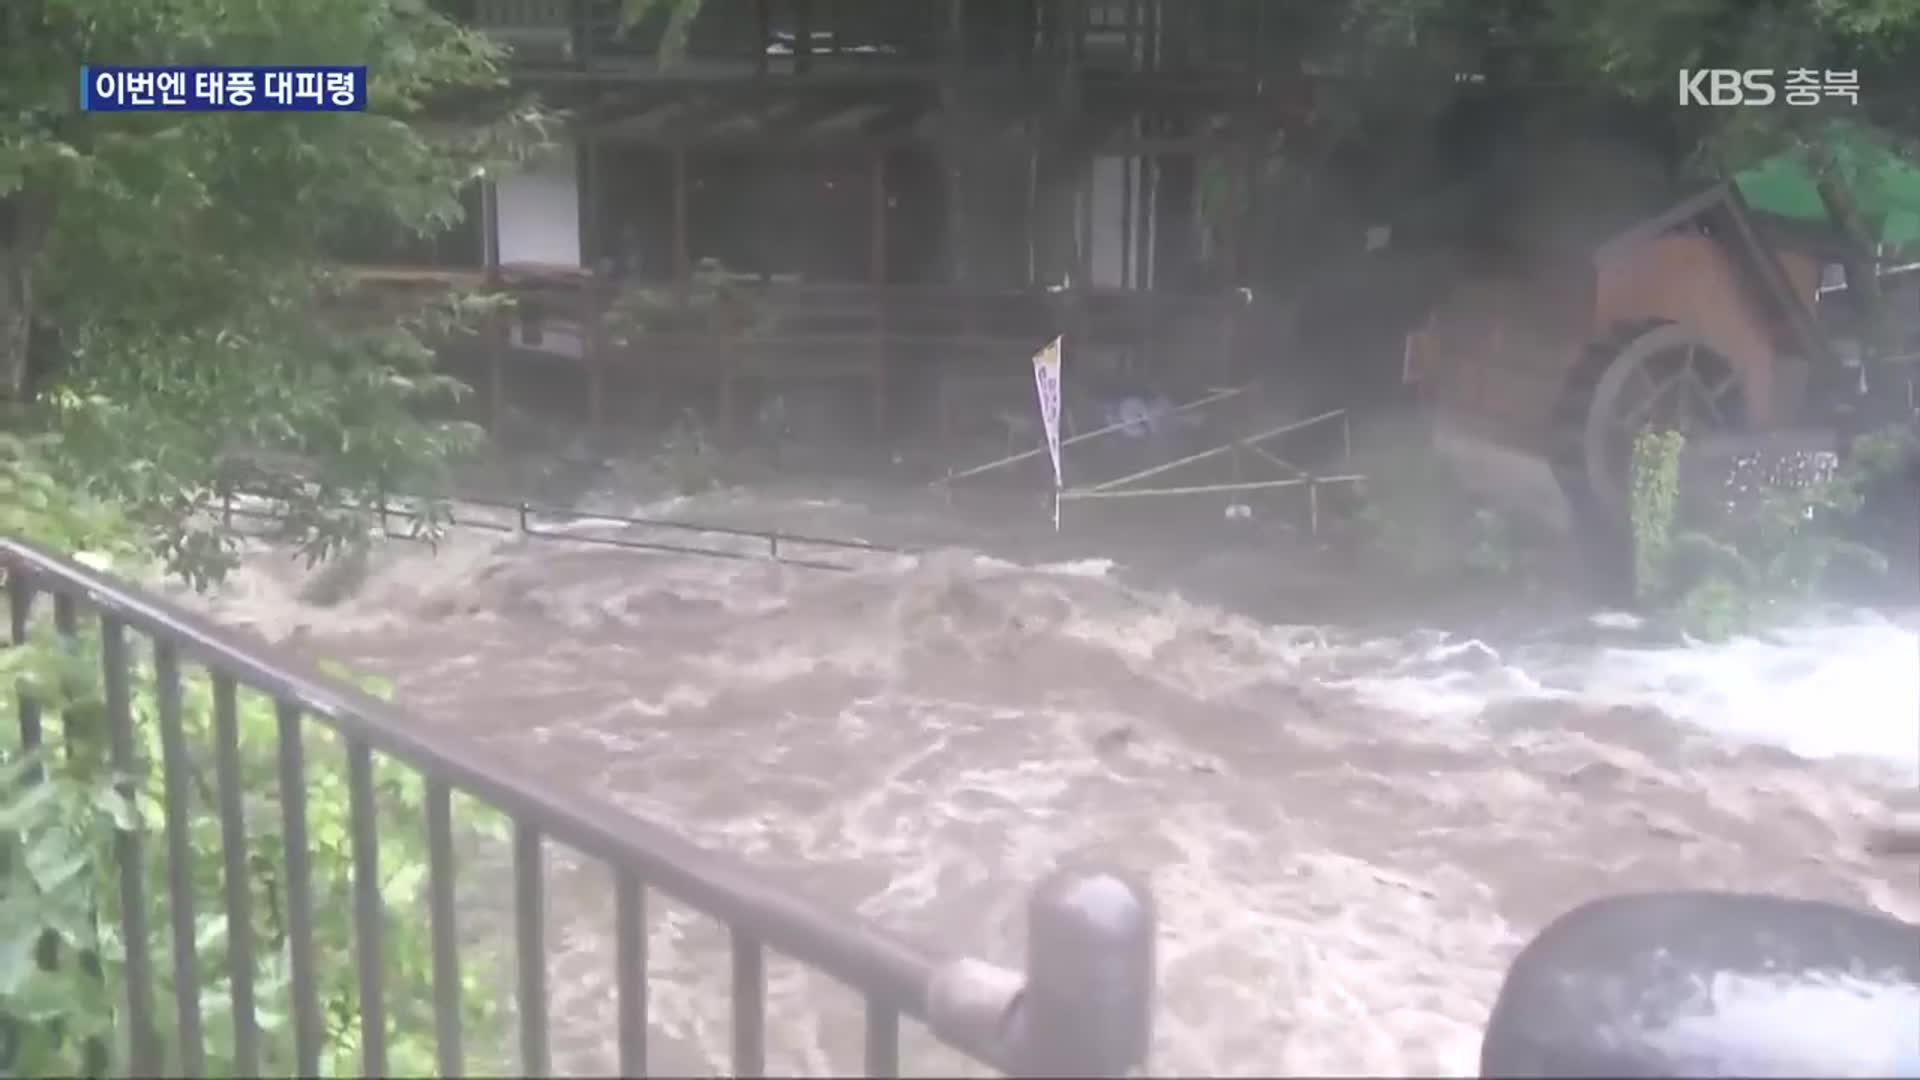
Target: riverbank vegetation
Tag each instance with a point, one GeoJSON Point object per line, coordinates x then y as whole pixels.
{"type": "Point", "coordinates": [170, 318]}
{"type": "Point", "coordinates": [170, 332]}
{"type": "Point", "coordinates": [1725, 563]}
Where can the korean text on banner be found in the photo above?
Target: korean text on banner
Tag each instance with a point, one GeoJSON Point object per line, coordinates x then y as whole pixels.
{"type": "Point", "coordinates": [1046, 382]}
{"type": "Point", "coordinates": [284, 88]}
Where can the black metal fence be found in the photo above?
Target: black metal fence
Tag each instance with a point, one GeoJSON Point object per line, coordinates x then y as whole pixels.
{"type": "Point", "coordinates": [1083, 1006]}
{"type": "Point", "coordinates": [535, 522]}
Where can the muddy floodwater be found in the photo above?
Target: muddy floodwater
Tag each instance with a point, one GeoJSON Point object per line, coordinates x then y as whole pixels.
{"type": "Point", "coordinates": [1350, 827]}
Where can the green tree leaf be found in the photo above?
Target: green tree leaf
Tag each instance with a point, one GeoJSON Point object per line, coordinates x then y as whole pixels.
{"type": "Point", "coordinates": [18, 943]}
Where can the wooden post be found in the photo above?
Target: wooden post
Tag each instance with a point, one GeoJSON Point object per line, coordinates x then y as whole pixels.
{"type": "Point", "coordinates": [499, 326]}
{"type": "Point", "coordinates": [1024, 43]}
{"type": "Point", "coordinates": [1135, 11]}
{"type": "Point", "coordinates": [682, 264]}
{"type": "Point", "coordinates": [802, 36]}
{"type": "Point", "coordinates": [877, 253]}
{"type": "Point", "coordinates": [1126, 214]}
{"type": "Point", "coordinates": [593, 344]}
{"type": "Point", "coordinates": [497, 335]}
{"type": "Point", "coordinates": [490, 229]}
{"type": "Point", "coordinates": [1076, 29]}
{"type": "Point", "coordinates": [1150, 340]}
{"type": "Point", "coordinates": [957, 33]}
{"type": "Point", "coordinates": [1249, 213]}
{"type": "Point", "coordinates": [957, 138]}
{"type": "Point", "coordinates": [1033, 212]}
{"type": "Point", "coordinates": [1229, 225]}
{"type": "Point", "coordinates": [579, 15]}
{"type": "Point", "coordinates": [1233, 464]}
{"type": "Point", "coordinates": [763, 24]}
{"type": "Point", "coordinates": [1083, 224]}
{"type": "Point", "coordinates": [586, 167]}
{"type": "Point", "coordinates": [727, 404]}
{"type": "Point", "coordinates": [878, 273]}
{"type": "Point", "coordinates": [1236, 311]}
{"type": "Point", "coordinates": [596, 387]}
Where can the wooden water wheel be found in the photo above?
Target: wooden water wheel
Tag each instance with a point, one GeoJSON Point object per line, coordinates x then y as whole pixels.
{"type": "Point", "coordinates": [1667, 378]}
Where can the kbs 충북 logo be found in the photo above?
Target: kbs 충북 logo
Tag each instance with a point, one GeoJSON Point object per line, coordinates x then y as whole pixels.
{"type": "Point", "coordinates": [1802, 87]}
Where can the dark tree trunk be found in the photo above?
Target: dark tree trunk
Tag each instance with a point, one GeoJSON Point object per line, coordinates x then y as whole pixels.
{"type": "Point", "coordinates": [1863, 262]}
{"type": "Point", "coordinates": [22, 226]}
{"type": "Point", "coordinates": [16, 322]}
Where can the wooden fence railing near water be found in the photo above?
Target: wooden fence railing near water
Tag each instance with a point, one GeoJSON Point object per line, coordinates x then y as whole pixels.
{"type": "Point", "coordinates": [775, 332]}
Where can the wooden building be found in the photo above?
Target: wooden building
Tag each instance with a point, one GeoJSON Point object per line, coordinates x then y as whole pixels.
{"type": "Point", "coordinates": [889, 185]}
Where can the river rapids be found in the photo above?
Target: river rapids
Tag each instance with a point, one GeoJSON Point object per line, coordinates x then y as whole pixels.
{"type": "Point", "coordinates": [1349, 828]}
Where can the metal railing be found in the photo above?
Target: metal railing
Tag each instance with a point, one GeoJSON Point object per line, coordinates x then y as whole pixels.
{"type": "Point", "coordinates": [1083, 1006]}
{"type": "Point", "coordinates": [524, 518]}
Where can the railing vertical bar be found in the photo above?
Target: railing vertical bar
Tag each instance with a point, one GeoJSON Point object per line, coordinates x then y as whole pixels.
{"type": "Point", "coordinates": [369, 914]}
{"type": "Point", "coordinates": [749, 1005]}
{"type": "Point", "coordinates": [66, 622]}
{"type": "Point", "coordinates": [177, 788]}
{"type": "Point", "coordinates": [145, 1057]}
{"type": "Point", "coordinates": [530, 934]}
{"type": "Point", "coordinates": [447, 992]}
{"type": "Point", "coordinates": [20, 593]}
{"type": "Point", "coordinates": [630, 960]}
{"type": "Point", "coordinates": [293, 831]}
{"type": "Point", "coordinates": [883, 1039]}
{"type": "Point", "coordinates": [233, 843]}
{"type": "Point", "coordinates": [19, 613]}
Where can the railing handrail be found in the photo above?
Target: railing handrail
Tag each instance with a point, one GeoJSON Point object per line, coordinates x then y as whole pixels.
{"type": "Point", "coordinates": [523, 527]}
{"type": "Point", "coordinates": [529, 277]}
{"type": "Point", "coordinates": [531, 509]}
{"type": "Point", "coordinates": [845, 946]}
{"type": "Point", "coordinates": [805, 539]}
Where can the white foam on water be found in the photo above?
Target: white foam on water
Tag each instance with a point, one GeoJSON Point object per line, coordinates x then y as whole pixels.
{"type": "Point", "coordinates": [1087, 568]}
{"type": "Point", "coordinates": [1343, 848]}
{"type": "Point", "coordinates": [1833, 689]}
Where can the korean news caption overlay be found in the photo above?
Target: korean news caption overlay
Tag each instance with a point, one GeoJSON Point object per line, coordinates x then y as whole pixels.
{"type": "Point", "coordinates": [105, 88]}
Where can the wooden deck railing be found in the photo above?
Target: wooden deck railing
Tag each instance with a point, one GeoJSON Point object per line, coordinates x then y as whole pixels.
{"type": "Point", "coordinates": [810, 331]}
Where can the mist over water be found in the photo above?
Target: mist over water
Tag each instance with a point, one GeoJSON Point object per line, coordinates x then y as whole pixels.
{"type": "Point", "coordinates": [1349, 831]}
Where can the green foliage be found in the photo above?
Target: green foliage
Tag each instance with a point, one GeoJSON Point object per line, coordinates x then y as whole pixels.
{"type": "Point", "coordinates": [34, 507]}
{"type": "Point", "coordinates": [1415, 511]}
{"type": "Point", "coordinates": [177, 265]}
{"type": "Point", "coordinates": [55, 833]}
{"type": "Point", "coordinates": [677, 22]}
{"type": "Point", "coordinates": [1777, 553]}
{"type": "Point", "coordinates": [1880, 455]}
{"type": "Point", "coordinates": [715, 300]}
{"type": "Point", "coordinates": [1654, 503]}
{"type": "Point", "coordinates": [62, 880]}
{"type": "Point", "coordinates": [176, 269]}
{"type": "Point", "coordinates": [62, 806]}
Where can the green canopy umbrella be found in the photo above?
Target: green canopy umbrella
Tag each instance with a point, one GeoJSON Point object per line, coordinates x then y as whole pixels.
{"type": "Point", "coordinates": [1885, 186]}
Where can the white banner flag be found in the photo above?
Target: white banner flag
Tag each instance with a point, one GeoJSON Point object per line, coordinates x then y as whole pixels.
{"type": "Point", "coordinates": [1046, 382]}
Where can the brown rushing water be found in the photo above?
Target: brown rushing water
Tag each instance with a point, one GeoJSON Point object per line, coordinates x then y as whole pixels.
{"type": "Point", "coordinates": [1349, 832]}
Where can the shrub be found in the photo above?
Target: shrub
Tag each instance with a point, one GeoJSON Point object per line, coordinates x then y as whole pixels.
{"type": "Point", "coordinates": [1753, 566]}
{"type": "Point", "coordinates": [64, 809]}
